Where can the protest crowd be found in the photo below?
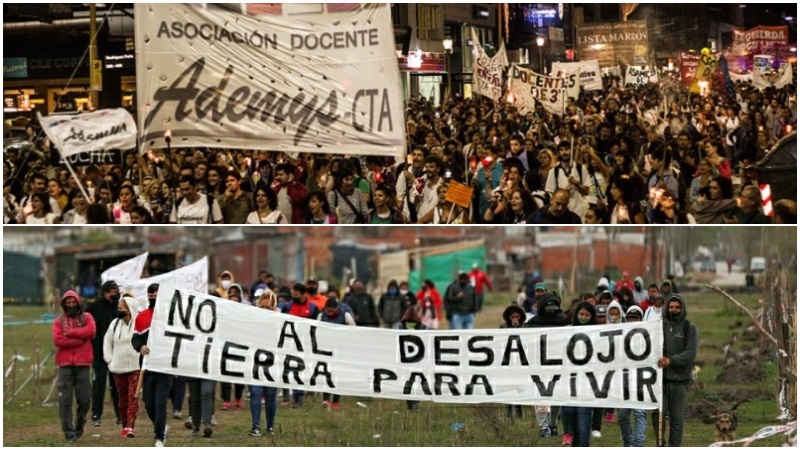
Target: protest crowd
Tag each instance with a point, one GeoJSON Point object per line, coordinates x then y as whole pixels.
{"type": "Point", "coordinates": [649, 153]}
{"type": "Point", "coordinates": [111, 335]}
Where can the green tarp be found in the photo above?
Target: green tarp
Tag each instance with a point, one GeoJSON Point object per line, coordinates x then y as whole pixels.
{"type": "Point", "coordinates": [442, 269]}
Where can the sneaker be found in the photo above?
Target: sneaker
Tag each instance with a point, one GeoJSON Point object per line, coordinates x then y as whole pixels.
{"type": "Point", "coordinates": [71, 440]}
{"type": "Point", "coordinates": [96, 423]}
{"type": "Point", "coordinates": [553, 431]}
{"type": "Point", "coordinates": [196, 432]}
{"type": "Point", "coordinates": [271, 430]}
{"type": "Point", "coordinates": [285, 403]}
{"type": "Point", "coordinates": [207, 430]}
{"type": "Point", "coordinates": [177, 414]}
{"type": "Point", "coordinates": [130, 433]}
{"type": "Point", "coordinates": [159, 443]}
{"type": "Point", "coordinates": [166, 431]}
{"type": "Point", "coordinates": [239, 403]}
{"type": "Point", "coordinates": [567, 441]}
{"type": "Point", "coordinates": [544, 432]}
{"type": "Point", "coordinates": [213, 421]}
{"type": "Point", "coordinates": [609, 418]}
{"type": "Point", "coordinates": [226, 406]}
{"type": "Point", "coordinates": [335, 405]}
{"type": "Point", "coordinates": [255, 432]}
{"type": "Point", "coordinates": [596, 434]}
{"type": "Point", "coordinates": [188, 424]}
{"type": "Point", "coordinates": [123, 432]}
{"type": "Point", "coordinates": [326, 404]}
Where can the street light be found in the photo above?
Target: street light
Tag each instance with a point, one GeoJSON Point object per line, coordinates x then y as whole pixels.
{"type": "Point", "coordinates": [540, 44]}
{"type": "Point", "coordinates": [448, 49]}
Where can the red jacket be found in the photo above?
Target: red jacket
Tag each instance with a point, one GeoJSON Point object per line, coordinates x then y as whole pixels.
{"type": "Point", "coordinates": [478, 279]}
{"type": "Point", "coordinates": [73, 336]}
{"type": "Point", "coordinates": [435, 298]}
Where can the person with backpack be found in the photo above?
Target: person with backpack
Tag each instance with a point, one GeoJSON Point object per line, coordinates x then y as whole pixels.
{"type": "Point", "coordinates": [334, 313]}
{"type": "Point", "coordinates": [392, 305]}
{"type": "Point", "coordinates": [571, 176]}
{"type": "Point", "coordinates": [347, 201]}
{"type": "Point", "coordinates": [194, 207]}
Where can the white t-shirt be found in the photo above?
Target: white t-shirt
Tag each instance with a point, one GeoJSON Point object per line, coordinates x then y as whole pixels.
{"type": "Point", "coordinates": [48, 219]}
{"type": "Point", "coordinates": [272, 218]}
{"type": "Point", "coordinates": [195, 213]}
{"type": "Point", "coordinates": [284, 202]}
{"type": "Point", "coordinates": [430, 197]}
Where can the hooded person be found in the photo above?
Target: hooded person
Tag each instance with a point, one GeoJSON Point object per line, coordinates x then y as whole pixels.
{"type": "Point", "coordinates": [634, 314]}
{"type": "Point", "coordinates": [392, 305]}
{"type": "Point", "coordinates": [123, 362]}
{"type": "Point", "coordinates": [677, 362]}
{"type": "Point", "coordinates": [615, 314]}
{"type": "Point", "coordinates": [531, 305]}
{"type": "Point", "coordinates": [667, 288]}
{"type": "Point", "coordinates": [103, 310]}
{"type": "Point", "coordinates": [362, 305]}
{"type": "Point", "coordinates": [605, 298]}
{"type": "Point", "coordinates": [602, 285]}
{"type": "Point", "coordinates": [236, 294]}
{"type": "Point", "coordinates": [513, 316]}
{"type": "Point", "coordinates": [639, 290]}
{"type": "Point", "coordinates": [73, 332]}
{"type": "Point", "coordinates": [334, 313]}
{"type": "Point", "coordinates": [224, 281]}
{"type": "Point", "coordinates": [580, 418]}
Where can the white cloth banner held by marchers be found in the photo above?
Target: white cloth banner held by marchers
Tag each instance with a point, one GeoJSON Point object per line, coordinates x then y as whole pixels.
{"type": "Point", "coordinates": [572, 80]}
{"type": "Point", "coordinates": [615, 366]}
{"type": "Point", "coordinates": [778, 80]}
{"type": "Point", "coordinates": [320, 78]}
{"type": "Point", "coordinates": [488, 72]}
{"type": "Point", "coordinates": [588, 72]}
{"type": "Point", "coordinates": [528, 86]}
{"type": "Point", "coordinates": [194, 276]}
{"type": "Point", "coordinates": [130, 269]}
{"type": "Point", "coordinates": [641, 75]}
{"type": "Point", "coordinates": [105, 129]}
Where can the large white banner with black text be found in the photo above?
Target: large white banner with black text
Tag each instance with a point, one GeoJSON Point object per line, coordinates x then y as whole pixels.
{"type": "Point", "coordinates": [528, 87]}
{"type": "Point", "coordinates": [196, 335]}
{"type": "Point", "coordinates": [311, 77]}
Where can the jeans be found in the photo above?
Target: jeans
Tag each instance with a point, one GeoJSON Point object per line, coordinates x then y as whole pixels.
{"type": "Point", "coordinates": [156, 393]}
{"type": "Point", "coordinates": [201, 401]}
{"type": "Point", "coordinates": [675, 402]}
{"type": "Point", "coordinates": [462, 322]}
{"type": "Point", "coordinates": [635, 437]}
{"type": "Point", "coordinates": [178, 393]}
{"type": "Point", "coordinates": [270, 405]}
{"type": "Point", "coordinates": [580, 420]}
{"type": "Point", "coordinates": [73, 379]}
{"type": "Point", "coordinates": [101, 376]}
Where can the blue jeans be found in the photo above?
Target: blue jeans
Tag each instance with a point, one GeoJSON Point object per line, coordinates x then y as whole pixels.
{"type": "Point", "coordinates": [462, 322]}
{"type": "Point", "coordinates": [270, 405]}
{"type": "Point", "coordinates": [633, 438]}
{"type": "Point", "coordinates": [580, 420]}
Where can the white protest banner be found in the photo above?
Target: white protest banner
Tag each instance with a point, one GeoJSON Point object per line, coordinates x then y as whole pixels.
{"type": "Point", "coordinates": [571, 78]}
{"type": "Point", "coordinates": [641, 75]}
{"type": "Point", "coordinates": [588, 72]}
{"type": "Point", "coordinates": [528, 87]}
{"type": "Point", "coordinates": [615, 366]}
{"type": "Point", "coordinates": [778, 79]}
{"type": "Point", "coordinates": [762, 63]}
{"type": "Point", "coordinates": [314, 77]}
{"type": "Point", "coordinates": [613, 71]}
{"type": "Point", "coordinates": [104, 129]}
{"type": "Point", "coordinates": [194, 276]}
{"type": "Point", "coordinates": [130, 269]}
{"type": "Point", "coordinates": [488, 72]}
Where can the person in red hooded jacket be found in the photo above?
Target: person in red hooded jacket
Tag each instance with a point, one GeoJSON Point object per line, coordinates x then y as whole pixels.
{"type": "Point", "coordinates": [624, 282]}
{"type": "Point", "coordinates": [478, 279]}
{"type": "Point", "coordinates": [73, 332]}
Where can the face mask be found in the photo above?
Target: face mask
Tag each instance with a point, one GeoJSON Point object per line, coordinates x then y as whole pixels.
{"type": "Point", "coordinates": [115, 298]}
{"type": "Point", "coordinates": [296, 299]}
{"type": "Point", "coordinates": [403, 291]}
{"type": "Point", "coordinates": [312, 291]}
{"type": "Point", "coordinates": [584, 321]}
{"type": "Point", "coordinates": [392, 291]}
{"type": "Point", "coordinates": [674, 315]}
{"type": "Point", "coordinates": [72, 311]}
{"type": "Point", "coordinates": [613, 319]}
{"type": "Point", "coordinates": [151, 303]}
{"type": "Point", "coordinates": [121, 314]}
{"type": "Point", "coordinates": [226, 284]}
{"type": "Point", "coordinates": [411, 325]}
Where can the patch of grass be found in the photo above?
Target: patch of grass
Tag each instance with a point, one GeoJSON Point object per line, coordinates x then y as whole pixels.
{"type": "Point", "coordinates": [383, 422]}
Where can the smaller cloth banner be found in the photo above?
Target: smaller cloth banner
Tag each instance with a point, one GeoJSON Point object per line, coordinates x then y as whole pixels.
{"type": "Point", "coordinates": [528, 87]}
{"type": "Point", "coordinates": [641, 75]}
{"type": "Point", "coordinates": [488, 72]}
{"type": "Point", "coordinates": [100, 130]}
{"type": "Point", "coordinates": [126, 270]}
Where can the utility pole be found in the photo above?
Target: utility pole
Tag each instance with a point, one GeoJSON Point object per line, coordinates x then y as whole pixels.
{"type": "Point", "coordinates": [94, 89]}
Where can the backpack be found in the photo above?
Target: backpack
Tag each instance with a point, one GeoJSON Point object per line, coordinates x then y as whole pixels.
{"type": "Point", "coordinates": [578, 168]}
{"type": "Point", "coordinates": [209, 199]}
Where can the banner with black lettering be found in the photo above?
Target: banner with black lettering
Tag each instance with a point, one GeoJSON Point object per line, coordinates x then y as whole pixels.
{"type": "Point", "coordinates": [311, 77]}
{"type": "Point", "coordinates": [488, 72]}
{"type": "Point", "coordinates": [588, 73]}
{"type": "Point", "coordinates": [528, 87]}
{"type": "Point", "coordinates": [706, 66]}
{"type": "Point", "coordinates": [641, 75]}
{"type": "Point", "coordinates": [89, 132]}
{"type": "Point", "coordinates": [615, 366]}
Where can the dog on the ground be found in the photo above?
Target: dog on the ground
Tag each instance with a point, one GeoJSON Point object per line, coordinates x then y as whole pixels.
{"type": "Point", "coordinates": [725, 423]}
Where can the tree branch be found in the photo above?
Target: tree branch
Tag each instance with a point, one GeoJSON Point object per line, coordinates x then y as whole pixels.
{"type": "Point", "coordinates": [719, 290]}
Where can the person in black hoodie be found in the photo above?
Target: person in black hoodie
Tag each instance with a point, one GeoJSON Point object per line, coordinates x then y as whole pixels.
{"type": "Point", "coordinates": [580, 417]}
{"type": "Point", "coordinates": [363, 306]}
{"type": "Point", "coordinates": [549, 315]}
{"type": "Point", "coordinates": [411, 321]}
{"type": "Point", "coordinates": [513, 317]}
{"type": "Point", "coordinates": [103, 311]}
{"type": "Point", "coordinates": [392, 305]}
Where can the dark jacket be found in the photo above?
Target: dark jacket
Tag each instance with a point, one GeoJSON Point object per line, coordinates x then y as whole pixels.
{"type": "Point", "coordinates": [455, 303]}
{"type": "Point", "coordinates": [392, 307]}
{"type": "Point", "coordinates": [543, 217]}
{"type": "Point", "coordinates": [103, 312]}
{"type": "Point", "coordinates": [72, 336]}
{"type": "Point", "coordinates": [513, 308]}
{"type": "Point", "coordinates": [680, 344]}
{"type": "Point", "coordinates": [546, 318]}
{"type": "Point", "coordinates": [364, 311]}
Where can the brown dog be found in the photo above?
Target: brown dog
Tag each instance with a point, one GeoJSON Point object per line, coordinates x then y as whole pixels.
{"type": "Point", "coordinates": [726, 422]}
